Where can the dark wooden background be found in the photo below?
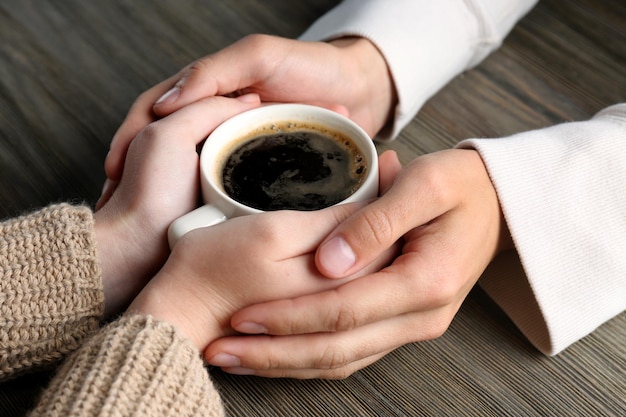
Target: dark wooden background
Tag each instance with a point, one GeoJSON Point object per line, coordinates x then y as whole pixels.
{"type": "Point", "coordinates": [69, 70]}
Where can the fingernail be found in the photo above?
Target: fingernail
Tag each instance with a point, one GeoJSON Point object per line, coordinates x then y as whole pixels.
{"type": "Point", "coordinates": [224, 360]}
{"type": "Point", "coordinates": [336, 256]}
{"type": "Point", "coordinates": [107, 190]}
{"type": "Point", "coordinates": [107, 186]}
{"type": "Point", "coordinates": [240, 371]}
{"type": "Point", "coordinates": [249, 98]}
{"type": "Point", "coordinates": [251, 328]}
{"type": "Point", "coordinates": [169, 97]}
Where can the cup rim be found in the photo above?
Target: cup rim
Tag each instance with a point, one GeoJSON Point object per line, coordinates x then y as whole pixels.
{"type": "Point", "coordinates": [240, 125]}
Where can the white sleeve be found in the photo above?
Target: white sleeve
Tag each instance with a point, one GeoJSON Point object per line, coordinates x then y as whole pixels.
{"type": "Point", "coordinates": [426, 43]}
{"type": "Point", "coordinates": [563, 193]}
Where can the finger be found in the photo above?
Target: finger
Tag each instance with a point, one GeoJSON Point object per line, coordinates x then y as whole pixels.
{"type": "Point", "coordinates": [389, 167]}
{"type": "Point", "coordinates": [163, 157]}
{"type": "Point", "coordinates": [337, 108]}
{"type": "Point", "coordinates": [107, 191]}
{"type": "Point", "coordinates": [172, 137]}
{"type": "Point", "coordinates": [138, 117]}
{"type": "Point", "coordinates": [221, 73]}
{"type": "Point", "coordinates": [202, 117]}
{"type": "Point", "coordinates": [312, 373]}
{"type": "Point", "coordinates": [227, 73]}
{"type": "Point", "coordinates": [412, 201]}
{"type": "Point", "coordinates": [282, 233]}
{"type": "Point", "coordinates": [419, 280]}
{"type": "Point", "coordinates": [326, 353]}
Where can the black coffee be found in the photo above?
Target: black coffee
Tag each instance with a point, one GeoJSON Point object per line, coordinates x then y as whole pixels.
{"type": "Point", "coordinates": [299, 170]}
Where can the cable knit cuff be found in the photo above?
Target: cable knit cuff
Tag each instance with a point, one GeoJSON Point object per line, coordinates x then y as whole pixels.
{"type": "Point", "coordinates": [51, 295]}
{"type": "Point", "coordinates": [134, 366]}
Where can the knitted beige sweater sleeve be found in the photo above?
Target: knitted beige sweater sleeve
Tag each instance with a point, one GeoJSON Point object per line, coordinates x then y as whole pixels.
{"type": "Point", "coordinates": [51, 301]}
{"type": "Point", "coordinates": [135, 366]}
{"type": "Point", "coordinates": [51, 295]}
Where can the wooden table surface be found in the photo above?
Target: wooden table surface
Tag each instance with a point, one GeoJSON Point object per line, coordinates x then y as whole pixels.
{"type": "Point", "coordinates": [70, 69]}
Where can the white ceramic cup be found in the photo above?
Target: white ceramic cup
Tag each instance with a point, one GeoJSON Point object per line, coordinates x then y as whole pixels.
{"type": "Point", "coordinates": [219, 206]}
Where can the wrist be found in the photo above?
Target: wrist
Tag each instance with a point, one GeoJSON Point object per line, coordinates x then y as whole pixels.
{"type": "Point", "coordinates": [126, 262]}
{"type": "Point", "coordinates": [372, 84]}
{"type": "Point", "coordinates": [504, 241]}
{"type": "Point", "coordinates": [179, 306]}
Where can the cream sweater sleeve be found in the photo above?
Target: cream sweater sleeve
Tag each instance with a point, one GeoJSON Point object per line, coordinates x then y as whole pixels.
{"type": "Point", "coordinates": [425, 43]}
{"type": "Point", "coordinates": [563, 194]}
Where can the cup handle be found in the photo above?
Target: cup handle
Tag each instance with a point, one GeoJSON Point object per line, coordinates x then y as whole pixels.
{"type": "Point", "coordinates": [203, 216]}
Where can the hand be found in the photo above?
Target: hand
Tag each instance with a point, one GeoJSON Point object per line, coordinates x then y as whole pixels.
{"type": "Point", "coordinates": [160, 183]}
{"type": "Point", "coordinates": [215, 271]}
{"type": "Point", "coordinates": [348, 75]}
{"type": "Point", "coordinates": [445, 210]}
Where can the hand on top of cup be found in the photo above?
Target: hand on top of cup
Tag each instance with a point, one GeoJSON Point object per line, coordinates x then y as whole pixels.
{"type": "Point", "coordinates": [443, 210]}
{"type": "Point", "coordinates": [218, 267]}
{"type": "Point", "coordinates": [215, 271]}
{"type": "Point", "coordinates": [320, 73]}
{"type": "Point", "coordinates": [160, 184]}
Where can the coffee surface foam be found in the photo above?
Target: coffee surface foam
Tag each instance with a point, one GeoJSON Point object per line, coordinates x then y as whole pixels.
{"type": "Point", "coordinates": [297, 170]}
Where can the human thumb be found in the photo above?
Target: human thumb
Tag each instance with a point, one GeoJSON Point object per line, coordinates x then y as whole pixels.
{"type": "Point", "coordinates": [336, 257]}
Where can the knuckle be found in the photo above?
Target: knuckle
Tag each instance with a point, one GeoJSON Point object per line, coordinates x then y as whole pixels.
{"type": "Point", "coordinates": [150, 131]}
{"type": "Point", "coordinates": [432, 291]}
{"type": "Point", "coordinates": [434, 183]}
{"type": "Point", "coordinates": [149, 135]}
{"type": "Point", "coordinates": [269, 238]}
{"type": "Point", "coordinates": [441, 293]}
{"type": "Point", "coordinates": [427, 325]}
{"type": "Point", "coordinates": [339, 373]}
{"type": "Point", "coordinates": [346, 319]}
{"type": "Point", "coordinates": [187, 245]}
{"type": "Point", "coordinates": [378, 226]}
{"type": "Point", "coordinates": [201, 69]}
{"type": "Point", "coordinates": [332, 359]}
{"type": "Point", "coordinates": [271, 362]}
{"type": "Point", "coordinates": [267, 229]}
{"type": "Point", "coordinates": [264, 52]}
{"type": "Point", "coordinates": [437, 329]}
{"type": "Point", "coordinates": [201, 66]}
{"type": "Point", "coordinates": [258, 41]}
{"type": "Point", "coordinates": [341, 212]}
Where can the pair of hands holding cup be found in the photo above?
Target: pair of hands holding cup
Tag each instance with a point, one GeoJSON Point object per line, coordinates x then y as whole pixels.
{"type": "Point", "coordinates": [320, 301]}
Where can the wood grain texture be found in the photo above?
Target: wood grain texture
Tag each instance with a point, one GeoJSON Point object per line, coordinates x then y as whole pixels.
{"type": "Point", "coordinates": [69, 70]}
